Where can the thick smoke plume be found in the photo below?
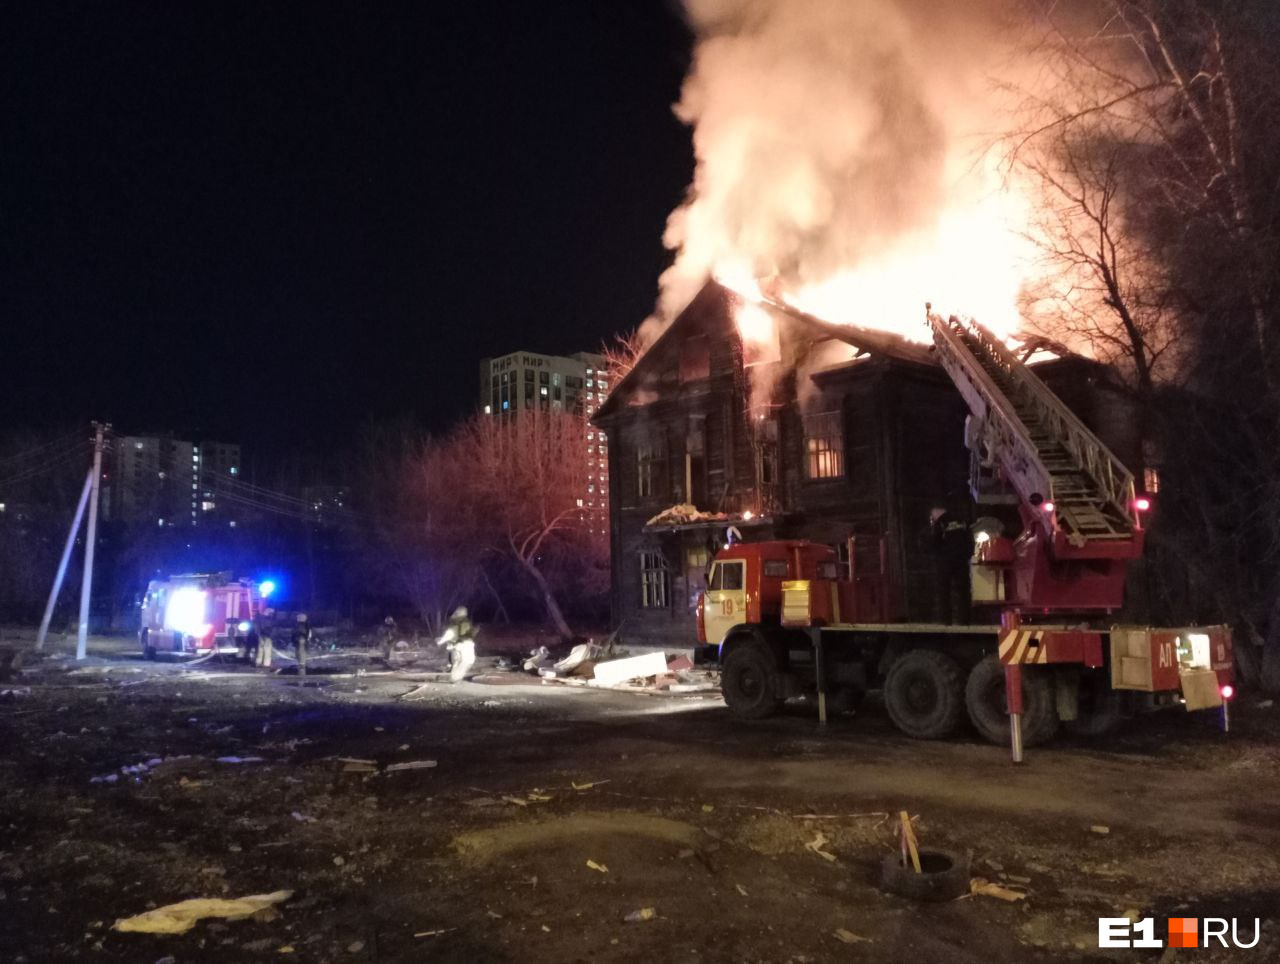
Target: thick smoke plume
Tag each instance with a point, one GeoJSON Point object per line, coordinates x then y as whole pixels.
{"type": "Point", "coordinates": [840, 154]}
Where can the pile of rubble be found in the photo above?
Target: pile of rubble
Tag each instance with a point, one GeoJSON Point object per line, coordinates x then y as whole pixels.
{"type": "Point", "coordinates": [590, 664]}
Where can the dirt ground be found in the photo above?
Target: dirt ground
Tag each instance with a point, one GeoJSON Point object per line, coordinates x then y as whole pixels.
{"type": "Point", "coordinates": [552, 813]}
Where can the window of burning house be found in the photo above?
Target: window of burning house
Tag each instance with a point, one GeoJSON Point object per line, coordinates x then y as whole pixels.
{"type": "Point", "coordinates": [823, 446]}
{"type": "Point", "coordinates": [649, 466]}
{"type": "Point", "coordinates": [654, 581]}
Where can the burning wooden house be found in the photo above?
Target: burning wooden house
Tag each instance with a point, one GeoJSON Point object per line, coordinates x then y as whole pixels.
{"type": "Point", "coordinates": [799, 429]}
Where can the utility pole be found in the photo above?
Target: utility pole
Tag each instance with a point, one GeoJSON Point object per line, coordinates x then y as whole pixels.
{"type": "Point", "coordinates": [66, 558]}
{"type": "Point", "coordinates": [91, 538]}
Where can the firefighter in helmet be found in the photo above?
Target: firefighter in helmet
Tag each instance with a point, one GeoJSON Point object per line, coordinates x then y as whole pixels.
{"type": "Point", "coordinates": [387, 637]}
{"type": "Point", "coordinates": [301, 640]}
{"type": "Point", "coordinates": [460, 637]}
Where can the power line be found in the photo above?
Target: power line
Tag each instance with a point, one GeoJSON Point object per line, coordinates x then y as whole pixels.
{"type": "Point", "coordinates": [53, 461]}
{"type": "Point", "coordinates": [38, 449]}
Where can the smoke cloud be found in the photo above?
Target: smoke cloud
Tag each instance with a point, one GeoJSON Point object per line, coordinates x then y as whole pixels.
{"type": "Point", "coordinates": [839, 148]}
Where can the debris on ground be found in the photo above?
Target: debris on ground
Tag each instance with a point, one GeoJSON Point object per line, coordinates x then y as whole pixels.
{"type": "Point", "coordinates": [643, 914]}
{"type": "Point", "coordinates": [981, 887]}
{"type": "Point", "coordinates": [817, 843]}
{"type": "Point", "coordinates": [410, 765]}
{"type": "Point", "coordinates": [435, 933]}
{"type": "Point", "coordinates": [741, 890]}
{"type": "Point", "coordinates": [181, 917]}
{"type": "Point", "coordinates": [849, 937]}
{"type": "Point", "coordinates": [1100, 829]}
{"type": "Point", "coordinates": [632, 667]}
{"type": "Point", "coordinates": [587, 786]}
{"type": "Point", "coordinates": [581, 660]}
{"type": "Point", "coordinates": [539, 658]}
{"type": "Point", "coordinates": [595, 866]}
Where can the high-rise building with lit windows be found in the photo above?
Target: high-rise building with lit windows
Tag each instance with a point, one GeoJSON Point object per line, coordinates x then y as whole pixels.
{"type": "Point", "coordinates": [526, 381]}
{"type": "Point", "coordinates": [167, 481]}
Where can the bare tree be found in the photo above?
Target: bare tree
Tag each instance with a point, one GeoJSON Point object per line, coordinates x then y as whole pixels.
{"type": "Point", "coordinates": [1157, 145]}
{"type": "Point", "coordinates": [1105, 288]}
{"type": "Point", "coordinates": [514, 486]}
{"type": "Point", "coordinates": [621, 355]}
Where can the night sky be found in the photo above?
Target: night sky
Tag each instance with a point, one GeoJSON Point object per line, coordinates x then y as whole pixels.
{"type": "Point", "coordinates": [272, 223]}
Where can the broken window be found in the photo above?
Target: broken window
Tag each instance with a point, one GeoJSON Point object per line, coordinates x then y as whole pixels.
{"type": "Point", "coordinates": [823, 446]}
{"type": "Point", "coordinates": [654, 584]}
{"type": "Point", "coordinates": [649, 470]}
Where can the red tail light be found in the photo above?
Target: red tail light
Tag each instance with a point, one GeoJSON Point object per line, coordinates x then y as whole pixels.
{"type": "Point", "coordinates": [1228, 691]}
{"type": "Point", "coordinates": [1142, 504]}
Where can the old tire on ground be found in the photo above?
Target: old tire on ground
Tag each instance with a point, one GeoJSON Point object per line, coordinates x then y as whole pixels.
{"type": "Point", "coordinates": [944, 875]}
{"type": "Point", "coordinates": [984, 697]}
{"type": "Point", "coordinates": [749, 680]}
{"type": "Point", "coordinates": [1099, 710]}
{"type": "Point", "coordinates": [148, 651]}
{"type": "Point", "coordinates": [924, 694]}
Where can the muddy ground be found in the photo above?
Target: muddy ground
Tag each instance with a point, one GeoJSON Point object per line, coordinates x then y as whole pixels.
{"type": "Point", "coordinates": [485, 856]}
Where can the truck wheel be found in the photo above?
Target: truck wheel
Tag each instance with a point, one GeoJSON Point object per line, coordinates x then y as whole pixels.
{"type": "Point", "coordinates": [749, 681]}
{"type": "Point", "coordinates": [148, 651]}
{"type": "Point", "coordinates": [1098, 711]}
{"type": "Point", "coordinates": [984, 696]}
{"type": "Point", "coordinates": [924, 694]}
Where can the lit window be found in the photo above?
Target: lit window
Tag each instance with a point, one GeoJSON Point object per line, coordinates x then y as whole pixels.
{"type": "Point", "coordinates": [488, 409]}
{"type": "Point", "coordinates": [602, 384]}
{"type": "Point", "coordinates": [232, 523]}
{"type": "Point", "coordinates": [653, 580]}
{"type": "Point", "coordinates": [235, 470]}
{"type": "Point", "coordinates": [207, 506]}
{"type": "Point", "coordinates": [544, 391]}
{"type": "Point", "coordinates": [590, 382]}
{"type": "Point", "coordinates": [505, 404]}
{"type": "Point", "coordinates": [159, 522]}
{"type": "Point", "coordinates": [138, 446]}
{"type": "Point", "coordinates": [579, 503]}
{"type": "Point", "coordinates": [824, 446]}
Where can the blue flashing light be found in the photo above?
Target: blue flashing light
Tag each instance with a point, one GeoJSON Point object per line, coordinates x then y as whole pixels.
{"type": "Point", "coordinates": [266, 588]}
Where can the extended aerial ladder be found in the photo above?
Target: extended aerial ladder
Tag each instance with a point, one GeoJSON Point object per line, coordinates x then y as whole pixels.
{"type": "Point", "coordinates": [1081, 524]}
{"type": "Point", "coordinates": [1083, 497]}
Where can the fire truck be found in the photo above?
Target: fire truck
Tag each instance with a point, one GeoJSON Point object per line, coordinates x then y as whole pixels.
{"type": "Point", "coordinates": [199, 614]}
{"type": "Point", "coordinates": [790, 617]}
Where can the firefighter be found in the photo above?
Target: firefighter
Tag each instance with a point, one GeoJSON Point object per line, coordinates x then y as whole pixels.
{"type": "Point", "coordinates": [262, 657]}
{"type": "Point", "coordinates": [301, 637]}
{"type": "Point", "coordinates": [460, 637]}
{"type": "Point", "coordinates": [387, 635]}
{"type": "Point", "coordinates": [951, 546]}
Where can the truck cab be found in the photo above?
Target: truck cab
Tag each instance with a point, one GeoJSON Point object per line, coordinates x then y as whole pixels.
{"type": "Point", "coordinates": [745, 584]}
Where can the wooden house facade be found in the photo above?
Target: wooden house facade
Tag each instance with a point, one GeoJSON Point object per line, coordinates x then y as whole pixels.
{"type": "Point", "coordinates": [834, 434]}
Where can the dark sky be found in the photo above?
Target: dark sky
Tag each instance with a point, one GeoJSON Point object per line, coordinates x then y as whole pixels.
{"type": "Point", "coordinates": [273, 222]}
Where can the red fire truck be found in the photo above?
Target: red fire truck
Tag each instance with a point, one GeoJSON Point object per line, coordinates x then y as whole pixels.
{"type": "Point", "coordinates": [789, 617]}
{"type": "Point", "coordinates": [202, 613]}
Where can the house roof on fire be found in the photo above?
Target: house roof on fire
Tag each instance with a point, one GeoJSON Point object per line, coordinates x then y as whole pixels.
{"type": "Point", "coordinates": [714, 297]}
